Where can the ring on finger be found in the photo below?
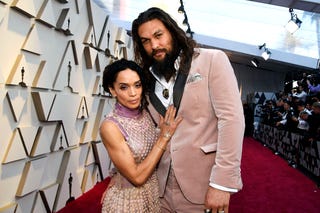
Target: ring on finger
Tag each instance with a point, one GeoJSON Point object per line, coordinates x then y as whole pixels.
{"type": "Point", "coordinates": [167, 135]}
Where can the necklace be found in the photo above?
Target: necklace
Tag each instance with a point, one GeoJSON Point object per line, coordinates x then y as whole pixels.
{"type": "Point", "coordinates": [165, 93]}
{"type": "Point", "coordinates": [167, 89]}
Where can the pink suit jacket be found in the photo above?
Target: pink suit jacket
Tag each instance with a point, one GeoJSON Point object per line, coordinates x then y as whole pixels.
{"type": "Point", "coordinates": [207, 146]}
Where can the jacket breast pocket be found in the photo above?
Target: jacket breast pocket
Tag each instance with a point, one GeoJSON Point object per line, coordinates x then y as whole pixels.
{"type": "Point", "coordinates": [209, 148]}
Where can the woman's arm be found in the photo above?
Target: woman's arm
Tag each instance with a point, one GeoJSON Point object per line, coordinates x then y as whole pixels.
{"type": "Point", "coordinates": [122, 157]}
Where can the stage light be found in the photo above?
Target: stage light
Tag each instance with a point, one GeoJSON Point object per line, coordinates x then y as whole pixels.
{"type": "Point", "coordinates": [255, 62]}
{"type": "Point", "coordinates": [266, 52]}
{"type": "Point", "coordinates": [185, 20]}
{"type": "Point", "coordinates": [181, 8]}
{"type": "Point", "coordinates": [294, 23]}
{"type": "Point", "coordinates": [189, 32]}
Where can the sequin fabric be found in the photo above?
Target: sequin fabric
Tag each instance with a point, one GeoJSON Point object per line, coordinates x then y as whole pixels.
{"type": "Point", "coordinates": [140, 134]}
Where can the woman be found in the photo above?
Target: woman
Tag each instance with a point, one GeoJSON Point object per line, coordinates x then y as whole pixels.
{"type": "Point", "coordinates": [133, 143]}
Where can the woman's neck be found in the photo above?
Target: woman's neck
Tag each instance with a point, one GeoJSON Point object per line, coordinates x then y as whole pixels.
{"type": "Point", "coordinates": [125, 111]}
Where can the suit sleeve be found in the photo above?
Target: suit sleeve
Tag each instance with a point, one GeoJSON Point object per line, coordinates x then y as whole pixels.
{"type": "Point", "coordinates": [227, 105]}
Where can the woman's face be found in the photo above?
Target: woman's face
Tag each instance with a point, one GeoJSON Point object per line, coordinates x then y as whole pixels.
{"type": "Point", "coordinates": [127, 89]}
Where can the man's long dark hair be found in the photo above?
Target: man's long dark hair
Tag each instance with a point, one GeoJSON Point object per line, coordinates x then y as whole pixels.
{"type": "Point", "coordinates": [180, 39]}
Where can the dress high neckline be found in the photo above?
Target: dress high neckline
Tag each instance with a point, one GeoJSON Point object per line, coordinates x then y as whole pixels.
{"type": "Point", "coordinates": [126, 112]}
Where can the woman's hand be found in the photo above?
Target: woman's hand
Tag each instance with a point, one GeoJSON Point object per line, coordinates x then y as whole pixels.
{"type": "Point", "coordinates": [169, 123]}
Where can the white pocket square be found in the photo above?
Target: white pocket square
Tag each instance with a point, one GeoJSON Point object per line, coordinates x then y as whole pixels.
{"type": "Point", "coordinates": [194, 78]}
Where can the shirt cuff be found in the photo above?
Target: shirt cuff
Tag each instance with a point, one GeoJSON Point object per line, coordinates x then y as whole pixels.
{"type": "Point", "coordinates": [223, 188]}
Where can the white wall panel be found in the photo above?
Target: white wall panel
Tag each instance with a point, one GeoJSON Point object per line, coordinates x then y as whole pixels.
{"type": "Point", "coordinates": [10, 177]}
{"type": "Point", "coordinates": [48, 195]}
{"type": "Point", "coordinates": [50, 122]}
{"type": "Point", "coordinates": [31, 176]}
{"type": "Point", "coordinates": [9, 208]}
{"type": "Point", "coordinates": [47, 15]}
{"type": "Point", "coordinates": [28, 135]}
{"type": "Point", "coordinates": [15, 149]}
{"type": "Point", "coordinates": [14, 27]}
{"type": "Point", "coordinates": [29, 7]}
{"type": "Point", "coordinates": [17, 100]}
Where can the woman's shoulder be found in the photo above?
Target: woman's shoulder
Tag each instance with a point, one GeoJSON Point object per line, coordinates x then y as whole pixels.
{"type": "Point", "coordinates": [112, 124]}
{"type": "Point", "coordinates": [108, 125]}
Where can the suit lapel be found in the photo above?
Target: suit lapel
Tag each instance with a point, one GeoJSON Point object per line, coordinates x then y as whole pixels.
{"type": "Point", "coordinates": [157, 104]}
{"type": "Point", "coordinates": [178, 89]}
{"type": "Point", "coordinates": [155, 101]}
{"type": "Point", "coordinates": [177, 93]}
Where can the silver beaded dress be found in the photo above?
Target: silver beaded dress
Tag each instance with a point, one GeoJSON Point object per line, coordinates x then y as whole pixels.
{"type": "Point", "coordinates": [140, 133]}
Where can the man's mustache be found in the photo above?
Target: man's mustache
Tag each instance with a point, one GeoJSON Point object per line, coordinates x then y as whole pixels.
{"type": "Point", "coordinates": [154, 52]}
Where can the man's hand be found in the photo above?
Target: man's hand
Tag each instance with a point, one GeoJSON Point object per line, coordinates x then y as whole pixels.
{"type": "Point", "coordinates": [217, 200]}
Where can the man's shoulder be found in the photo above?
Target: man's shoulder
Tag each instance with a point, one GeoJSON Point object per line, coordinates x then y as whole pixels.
{"type": "Point", "coordinates": [202, 51]}
{"type": "Point", "coordinates": [208, 52]}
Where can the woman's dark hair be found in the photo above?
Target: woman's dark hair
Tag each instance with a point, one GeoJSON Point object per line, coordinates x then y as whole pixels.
{"type": "Point", "coordinates": [180, 39]}
{"type": "Point", "coordinates": [112, 70]}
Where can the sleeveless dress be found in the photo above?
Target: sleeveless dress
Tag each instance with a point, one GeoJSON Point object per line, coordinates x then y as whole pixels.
{"type": "Point", "coordinates": [140, 134]}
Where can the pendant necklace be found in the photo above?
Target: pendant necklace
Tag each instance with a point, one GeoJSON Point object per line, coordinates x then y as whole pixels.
{"type": "Point", "coordinates": [166, 89]}
{"type": "Point", "coordinates": [165, 93]}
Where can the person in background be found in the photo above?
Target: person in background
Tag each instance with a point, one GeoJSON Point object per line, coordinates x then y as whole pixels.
{"type": "Point", "coordinates": [289, 121]}
{"type": "Point", "coordinates": [303, 125]}
{"type": "Point", "coordinates": [300, 93]}
{"type": "Point", "coordinates": [303, 81]}
{"type": "Point", "coordinates": [314, 123]}
{"type": "Point", "coordinates": [200, 168]}
{"type": "Point", "coordinates": [132, 141]}
{"type": "Point", "coordinates": [278, 110]}
{"type": "Point", "coordinates": [313, 85]}
{"type": "Point", "coordinates": [267, 114]}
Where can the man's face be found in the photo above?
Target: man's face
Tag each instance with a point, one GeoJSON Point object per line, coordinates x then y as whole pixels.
{"type": "Point", "coordinates": [286, 106]}
{"type": "Point", "coordinates": [316, 110]}
{"type": "Point", "coordinates": [156, 39]}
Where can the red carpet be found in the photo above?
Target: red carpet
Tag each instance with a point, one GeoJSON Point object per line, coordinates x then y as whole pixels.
{"type": "Point", "coordinates": [89, 202]}
{"type": "Point", "coordinates": [270, 185]}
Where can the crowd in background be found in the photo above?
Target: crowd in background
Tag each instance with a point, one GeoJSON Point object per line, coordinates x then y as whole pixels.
{"type": "Point", "coordinates": [297, 110]}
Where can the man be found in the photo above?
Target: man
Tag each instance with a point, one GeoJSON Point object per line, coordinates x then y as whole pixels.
{"type": "Point", "coordinates": [289, 120]}
{"type": "Point", "coordinates": [201, 166]}
{"type": "Point", "coordinates": [314, 123]}
{"type": "Point", "coordinates": [300, 94]}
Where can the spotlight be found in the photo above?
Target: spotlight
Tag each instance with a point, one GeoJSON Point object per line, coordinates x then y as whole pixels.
{"type": "Point", "coordinates": [189, 32]}
{"type": "Point", "coordinates": [266, 53]}
{"type": "Point", "coordinates": [181, 8]}
{"type": "Point", "coordinates": [185, 20]}
{"type": "Point", "coordinates": [255, 62]}
{"type": "Point", "coordinates": [294, 23]}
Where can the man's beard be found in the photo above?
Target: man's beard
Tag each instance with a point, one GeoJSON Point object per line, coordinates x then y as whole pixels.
{"type": "Point", "coordinates": [165, 67]}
